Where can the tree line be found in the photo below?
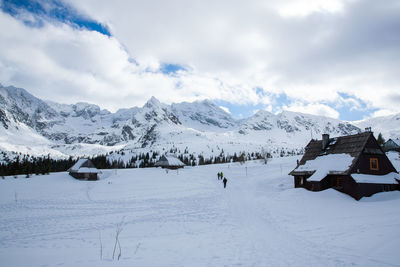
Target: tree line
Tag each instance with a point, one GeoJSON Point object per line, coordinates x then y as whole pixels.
{"type": "Point", "coordinates": [28, 165]}
{"type": "Point", "coordinates": [21, 164]}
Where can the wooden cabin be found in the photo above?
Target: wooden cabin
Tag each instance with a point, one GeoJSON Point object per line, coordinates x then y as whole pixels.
{"type": "Point", "coordinates": [169, 162]}
{"type": "Point", "coordinates": [84, 169]}
{"type": "Point", "coordinates": [391, 145]}
{"type": "Point", "coordinates": [355, 165]}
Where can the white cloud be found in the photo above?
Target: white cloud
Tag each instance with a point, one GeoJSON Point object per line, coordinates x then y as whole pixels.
{"type": "Point", "coordinates": [313, 108]}
{"type": "Point", "coordinates": [306, 7]}
{"type": "Point", "coordinates": [307, 50]}
{"type": "Point", "coordinates": [67, 65]}
{"type": "Point", "coordinates": [317, 49]}
{"type": "Point", "coordinates": [382, 112]}
{"type": "Point", "coordinates": [350, 102]}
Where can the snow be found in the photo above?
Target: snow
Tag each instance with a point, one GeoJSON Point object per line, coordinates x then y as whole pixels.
{"type": "Point", "coordinates": [394, 157]}
{"type": "Point", "coordinates": [396, 141]}
{"type": "Point", "coordinates": [388, 126]}
{"type": "Point", "coordinates": [173, 161]}
{"type": "Point", "coordinates": [78, 167]}
{"type": "Point", "coordinates": [323, 165]}
{"type": "Point", "coordinates": [376, 179]}
{"type": "Point", "coordinates": [18, 135]}
{"type": "Point", "coordinates": [187, 218]}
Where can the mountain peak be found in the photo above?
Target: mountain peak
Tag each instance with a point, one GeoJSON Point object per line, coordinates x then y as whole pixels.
{"type": "Point", "coordinates": [152, 102]}
{"type": "Point", "coordinates": [16, 92]}
{"type": "Point", "coordinates": [208, 102]}
{"type": "Point", "coordinates": [262, 113]}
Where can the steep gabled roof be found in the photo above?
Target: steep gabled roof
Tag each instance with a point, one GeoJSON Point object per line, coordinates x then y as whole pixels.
{"type": "Point", "coordinates": [169, 161]}
{"type": "Point", "coordinates": [83, 166]}
{"type": "Point", "coordinates": [395, 142]}
{"type": "Point", "coordinates": [351, 144]}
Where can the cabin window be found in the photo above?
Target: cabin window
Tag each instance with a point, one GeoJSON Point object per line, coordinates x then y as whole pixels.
{"type": "Point", "coordinates": [373, 164]}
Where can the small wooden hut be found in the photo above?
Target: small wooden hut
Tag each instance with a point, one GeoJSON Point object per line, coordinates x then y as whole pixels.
{"type": "Point", "coordinates": [355, 165]}
{"type": "Point", "coordinates": [169, 162]}
{"type": "Point", "coordinates": [84, 169]}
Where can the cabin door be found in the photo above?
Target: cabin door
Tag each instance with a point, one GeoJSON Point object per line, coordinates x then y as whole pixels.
{"type": "Point", "coordinates": [339, 182]}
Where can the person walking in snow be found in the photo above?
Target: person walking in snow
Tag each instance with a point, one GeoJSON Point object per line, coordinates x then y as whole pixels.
{"type": "Point", "coordinates": [218, 174]}
{"type": "Point", "coordinates": [221, 175]}
{"type": "Point", "coordinates": [224, 181]}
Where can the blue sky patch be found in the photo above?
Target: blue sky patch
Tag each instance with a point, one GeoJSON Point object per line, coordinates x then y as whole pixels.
{"type": "Point", "coordinates": [352, 112]}
{"type": "Point", "coordinates": [347, 110]}
{"type": "Point", "coordinates": [171, 68]}
{"type": "Point", "coordinates": [51, 10]}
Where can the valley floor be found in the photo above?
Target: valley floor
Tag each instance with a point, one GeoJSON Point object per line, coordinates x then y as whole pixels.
{"type": "Point", "coordinates": [187, 218]}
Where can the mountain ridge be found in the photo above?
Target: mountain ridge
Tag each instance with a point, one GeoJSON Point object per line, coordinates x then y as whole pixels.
{"type": "Point", "coordinates": [201, 125]}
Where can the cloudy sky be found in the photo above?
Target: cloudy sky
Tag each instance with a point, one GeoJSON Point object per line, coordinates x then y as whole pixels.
{"type": "Point", "coordinates": [337, 58]}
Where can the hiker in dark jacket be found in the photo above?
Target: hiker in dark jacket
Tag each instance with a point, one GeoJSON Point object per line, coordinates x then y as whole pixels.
{"type": "Point", "coordinates": [218, 174]}
{"type": "Point", "coordinates": [224, 181]}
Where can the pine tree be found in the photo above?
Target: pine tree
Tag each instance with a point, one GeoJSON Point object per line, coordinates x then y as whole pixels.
{"type": "Point", "coordinates": [380, 139]}
{"type": "Point", "coordinates": [201, 160]}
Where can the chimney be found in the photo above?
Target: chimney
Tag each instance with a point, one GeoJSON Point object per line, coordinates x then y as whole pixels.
{"type": "Point", "coordinates": [368, 129]}
{"type": "Point", "coordinates": [325, 141]}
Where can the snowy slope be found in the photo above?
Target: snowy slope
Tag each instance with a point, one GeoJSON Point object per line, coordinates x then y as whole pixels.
{"type": "Point", "coordinates": [17, 105]}
{"type": "Point", "coordinates": [21, 138]}
{"type": "Point", "coordinates": [186, 218]}
{"type": "Point", "coordinates": [389, 125]}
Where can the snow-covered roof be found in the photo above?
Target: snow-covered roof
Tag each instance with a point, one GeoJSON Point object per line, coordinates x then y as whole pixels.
{"type": "Point", "coordinates": [169, 161]}
{"type": "Point", "coordinates": [389, 178]}
{"type": "Point", "coordinates": [324, 165]}
{"type": "Point", "coordinates": [174, 161]}
{"type": "Point", "coordinates": [349, 144]}
{"type": "Point", "coordinates": [83, 166]}
{"type": "Point", "coordinates": [396, 141]}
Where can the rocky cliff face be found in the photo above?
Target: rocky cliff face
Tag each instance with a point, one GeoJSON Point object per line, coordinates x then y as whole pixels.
{"type": "Point", "coordinates": [294, 122]}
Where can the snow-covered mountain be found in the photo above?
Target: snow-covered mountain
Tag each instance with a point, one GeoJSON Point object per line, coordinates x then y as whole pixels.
{"type": "Point", "coordinates": [31, 125]}
{"type": "Point", "coordinates": [295, 122]}
{"type": "Point", "coordinates": [389, 125]}
{"type": "Point", "coordinates": [203, 115]}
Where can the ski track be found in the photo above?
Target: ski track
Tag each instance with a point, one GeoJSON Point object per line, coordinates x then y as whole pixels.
{"type": "Point", "coordinates": [189, 219]}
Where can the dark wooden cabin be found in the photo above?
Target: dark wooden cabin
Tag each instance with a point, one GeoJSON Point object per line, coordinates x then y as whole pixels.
{"type": "Point", "coordinates": [169, 162]}
{"type": "Point", "coordinates": [355, 165]}
{"type": "Point", "coordinates": [84, 169]}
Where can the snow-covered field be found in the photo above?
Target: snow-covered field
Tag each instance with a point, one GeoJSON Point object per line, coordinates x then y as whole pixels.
{"type": "Point", "coordinates": [187, 218]}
